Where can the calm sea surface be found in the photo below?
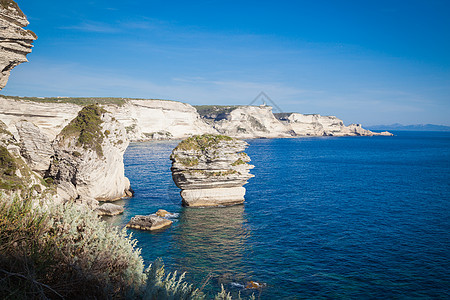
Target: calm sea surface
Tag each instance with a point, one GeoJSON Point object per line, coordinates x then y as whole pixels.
{"type": "Point", "coordinates": [324, 218]}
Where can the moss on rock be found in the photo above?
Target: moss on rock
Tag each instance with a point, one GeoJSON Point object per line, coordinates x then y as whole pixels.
{"type": "Point", "coordinates": [87, 127]}
{"type": "Point", "coordinates": [202, 142]}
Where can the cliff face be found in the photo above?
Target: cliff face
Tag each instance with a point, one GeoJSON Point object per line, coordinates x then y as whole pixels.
{"type": "Point", "coordinates": [15, 42]}
{"type": "Point", "coordinates": [211, 170]}
{"type": "Point", "coordinates": [159, 119]}
{"type": "Point", "coordinates": [51, 118]}
{"type": "Point", "coordinates": [88, 160]}
{"type": "Point", "coordinates": [143, 119]}
{"type": "Point", "coordinates": [251, 122]}
{"type": "Point", "coordinates": [317, 125]}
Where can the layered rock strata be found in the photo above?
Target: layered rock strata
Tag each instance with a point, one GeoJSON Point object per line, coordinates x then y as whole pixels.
{"type": "Point", "coordinates": [35, 146]}
{"type": "Point", "coordinates": [317, 125]}
{"type": "Point", "coordinates": [88, 160]}
{"type": "Point", "coordinates": [159, 119]}
{"type": "Point", "coordinates": [15, 42]}
{"type": "Point", "coordinates": [211, 170]}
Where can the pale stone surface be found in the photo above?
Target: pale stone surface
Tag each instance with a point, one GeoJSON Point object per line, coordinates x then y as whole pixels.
{"type": "Point", "coordinates": [109, 209]}
{"type": "Point", "coordinates": [82, 172]}
{"type": "Point", "coordinates": [151, 223]}
{"type": "Point", "coordinates": [213, 197]}
{"type": "Point", "coordinates": [35, 146]}
{"type": "Point", "coordinates": [51, 118]}
{"type": "Point", "coordinates": [317, 125]}
{"type": "Point", "coordinates": [211, 170]}
{"type": "Point", "coordinates": [15, 42]}
{"type": "Point", "coordinates": [252, 122]}
{"type": "Point", "coordinates": [159, 119]}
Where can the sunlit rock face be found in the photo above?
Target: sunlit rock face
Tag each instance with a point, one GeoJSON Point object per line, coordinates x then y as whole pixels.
{"type": "Point", "coordinates": [211, 170]}
{"type": "Point", "coordinates": [317, 125]}
{"type": "Point", "coordinates": [15, 42]}
{"type": "Point", "coordinates": [88, 161]}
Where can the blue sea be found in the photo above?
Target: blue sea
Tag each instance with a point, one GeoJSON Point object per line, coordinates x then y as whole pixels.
{"type": "Point", "coordinates": [324, 218]}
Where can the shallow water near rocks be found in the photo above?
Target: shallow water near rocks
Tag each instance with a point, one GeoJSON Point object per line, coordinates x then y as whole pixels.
{"type": "Point", "coordinates": [324, 218]}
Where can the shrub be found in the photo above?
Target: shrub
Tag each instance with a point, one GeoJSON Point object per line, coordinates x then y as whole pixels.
{"type": "Point", "coordinates": [87, 128]}
{"type": "Point", "coordinates": [64, 251]}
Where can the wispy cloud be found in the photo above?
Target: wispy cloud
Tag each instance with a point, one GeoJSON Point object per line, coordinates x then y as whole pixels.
{"type": "Point", "coordinates": [90, 26]}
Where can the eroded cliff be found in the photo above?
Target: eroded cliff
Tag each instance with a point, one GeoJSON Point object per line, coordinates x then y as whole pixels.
{"type": "Point", "coordinates": [15, 41]}
{"type": "Point", "coordinates": [88, 162]}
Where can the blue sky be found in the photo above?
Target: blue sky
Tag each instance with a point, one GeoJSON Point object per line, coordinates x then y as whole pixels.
{"type": "Point", "coordinates": [369, 62]}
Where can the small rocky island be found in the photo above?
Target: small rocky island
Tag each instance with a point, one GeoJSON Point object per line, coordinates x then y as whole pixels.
{"type": "Point", "coordinates": [211, 170]}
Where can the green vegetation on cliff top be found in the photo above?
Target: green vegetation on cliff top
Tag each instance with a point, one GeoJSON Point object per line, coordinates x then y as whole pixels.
{"type": "Point", "coordinates": [82, 101]}
{"type": "Point", "coordinates": [86, 126]}
{"type": "Point", "coordinates": [202, 142]}
{"type": "Point", "coordinates": [214, 110]}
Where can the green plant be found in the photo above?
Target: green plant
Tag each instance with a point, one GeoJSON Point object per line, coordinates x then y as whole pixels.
{"type": "Point", "coordinates": [87, 128]}
{"type": "Point", "coordinates": [64, 251]}
{"type": "Point", "coordinates": [203, 142]}
{"type": "Point", "coordinates": [170, 286]}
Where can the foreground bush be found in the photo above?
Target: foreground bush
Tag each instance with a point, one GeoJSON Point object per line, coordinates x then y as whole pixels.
{"type": "Point", "coordinates": [64, 252]}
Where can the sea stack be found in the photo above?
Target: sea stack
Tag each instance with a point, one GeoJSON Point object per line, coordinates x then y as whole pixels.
{"type": "Point", "coordinates": [211, 170]}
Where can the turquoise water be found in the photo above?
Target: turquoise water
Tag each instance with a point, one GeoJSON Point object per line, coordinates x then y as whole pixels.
{"type": "Point", "coordinates": [324, 218]}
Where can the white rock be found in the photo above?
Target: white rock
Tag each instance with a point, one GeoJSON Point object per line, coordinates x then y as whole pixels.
{"type": "Point", "coordinates": [15, 42]}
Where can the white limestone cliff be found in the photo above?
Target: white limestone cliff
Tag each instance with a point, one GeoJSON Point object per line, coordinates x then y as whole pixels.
{"type": "Point", "coordinates": [252, 122]}
{"type": "Point", "coordinates": [15, 42]}
{"type": "Point", "coordinates": [35, 147]}
{"type": "Point", "coordinates": [159, 119]}
{"type": "Point", "coordinates": [88, 161]}
{"type": "Point", "coordinates": [317, 125]}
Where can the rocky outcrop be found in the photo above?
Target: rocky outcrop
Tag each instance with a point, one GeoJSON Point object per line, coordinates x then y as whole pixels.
{"type": "Point", "coordinates": [88, 159]}
{"type": "Point", "coordinates": [35, 146]}
{"type": "Point", "coordinates": [150, 223]}
{"type": "Point", "coordinates": [211, 170]}
{"type": "Point", "coordinates": [317, 125]}
{"type": "Point", "coordinates": [15, 42]}
{"type": "Point", "coordinates": [248, 122]}
{"type": "Point", "coordinates": [109, 209]}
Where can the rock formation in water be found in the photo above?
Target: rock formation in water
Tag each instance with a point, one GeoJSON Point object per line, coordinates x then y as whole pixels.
{"type": "Point", "coordinates": [211, 170]}
{"type": "Point", "coordinates": [150, 223]}
{"type": "Point", "coordinates": [15, 42]}
{"type": "Point", "coordinates": [109, 209]}
{"type": "Point", "coordinates": [88, 162]}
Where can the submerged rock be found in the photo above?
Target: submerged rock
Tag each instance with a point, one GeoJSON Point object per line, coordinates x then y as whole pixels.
{"type": "Point", "coordinates": [151, 223]}
{"type": "Point", "coordinates": [211, 170]}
